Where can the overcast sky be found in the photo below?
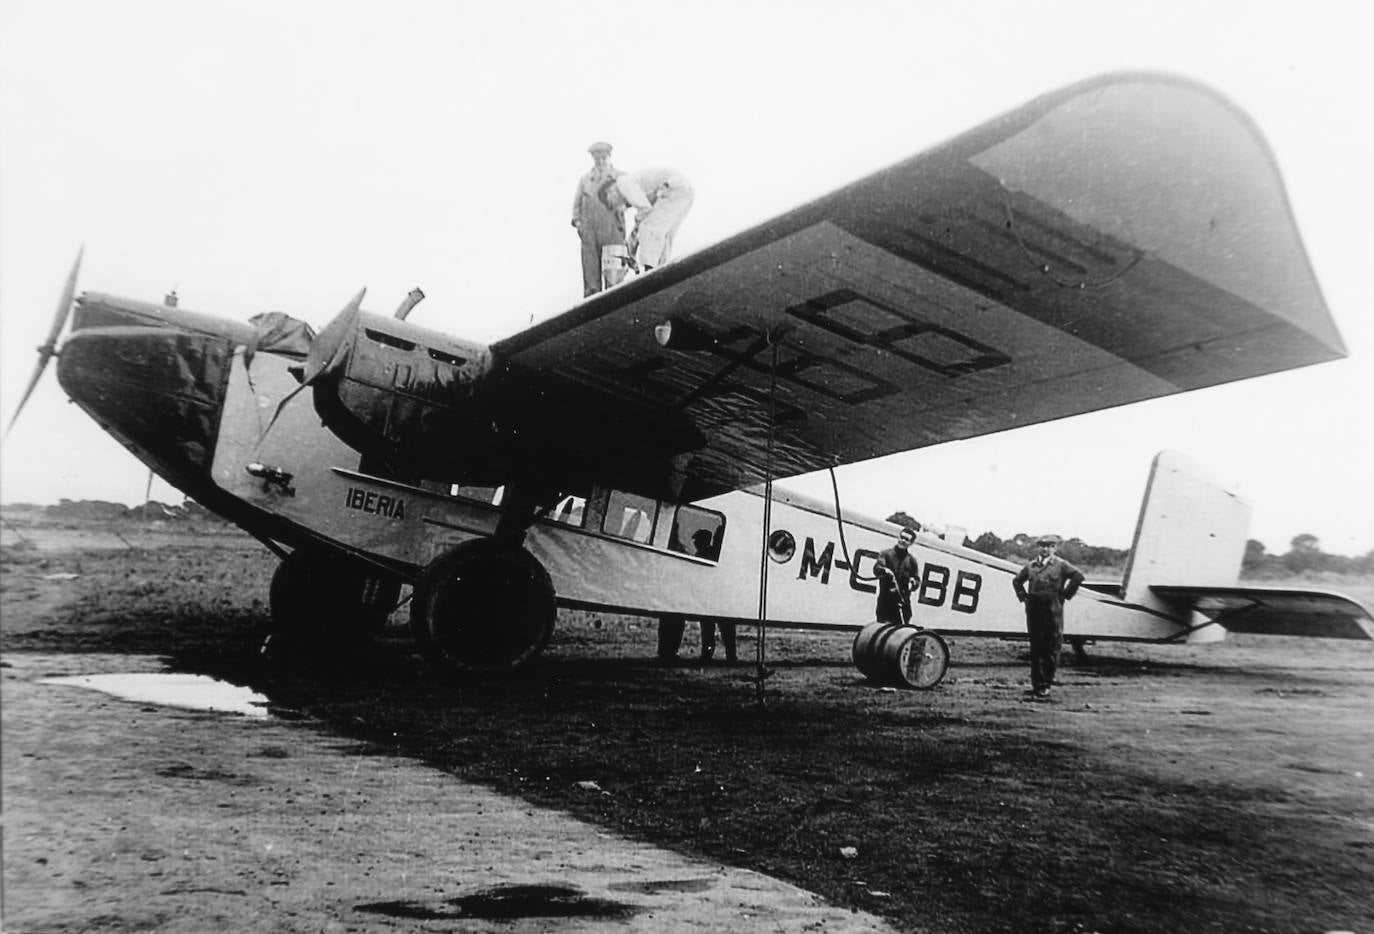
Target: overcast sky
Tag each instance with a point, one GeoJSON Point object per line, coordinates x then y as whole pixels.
{"type": "Point", "coordinates": [280, 155]}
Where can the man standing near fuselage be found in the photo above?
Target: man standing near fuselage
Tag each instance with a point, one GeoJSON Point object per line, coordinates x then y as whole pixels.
{"type": "Point", "coordinates": [1043, 585]}
{"type": "Point", "coordinates": [897, 574]}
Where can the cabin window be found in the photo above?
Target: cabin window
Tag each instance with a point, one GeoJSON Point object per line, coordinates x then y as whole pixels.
{"type": "Point", "coordinates": [630, 516]}
{"type": "Point", "coordinates": [570, 510]}
{"type": "Point", "coordinates": [482, 494]}
{"type": "Point", "coordinates": [698, 532]}
{"type": "Point", "coordinates": [781, 546]}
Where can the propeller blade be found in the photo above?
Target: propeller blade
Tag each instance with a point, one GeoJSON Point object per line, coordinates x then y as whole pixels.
{"type": "Point", "coordinates": [49, 348]}
{"type": "Point", "coordinates": [64, 307]}
{"type": "Point", "coordinates": [326, 352]}
{"type": "Point", "coordinates": [33, 381]}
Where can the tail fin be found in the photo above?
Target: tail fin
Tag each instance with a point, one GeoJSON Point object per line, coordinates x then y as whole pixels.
{"type": "Point", "coordinates": [1191, 533]}
{"type": "Point", "coordinates": [1189, 545]}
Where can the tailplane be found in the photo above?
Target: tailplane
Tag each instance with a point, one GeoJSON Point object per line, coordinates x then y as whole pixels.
{"type": "Point", "coordinates": [1186, 559]}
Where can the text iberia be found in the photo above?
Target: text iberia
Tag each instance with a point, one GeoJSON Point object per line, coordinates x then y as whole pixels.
{"type": "Point", "coordinates": [393, 507]}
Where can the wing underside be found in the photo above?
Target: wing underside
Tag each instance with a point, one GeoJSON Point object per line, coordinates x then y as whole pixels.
{"type": "Point", "coordinates": [1121, 240]}
{"type": "Point", "coordinates": [1274, 611]}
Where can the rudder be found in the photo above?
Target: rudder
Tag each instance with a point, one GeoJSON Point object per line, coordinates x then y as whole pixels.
{"type": "Point", "coordinates": [1191, 532]}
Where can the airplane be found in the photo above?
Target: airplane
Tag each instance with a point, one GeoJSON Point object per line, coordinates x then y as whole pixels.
{"type": "Point", "coordinates": [1121, 239]}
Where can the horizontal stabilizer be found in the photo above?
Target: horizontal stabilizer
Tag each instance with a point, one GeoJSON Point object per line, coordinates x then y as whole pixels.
{"type": "Point", "coordinates": [1276, 611]}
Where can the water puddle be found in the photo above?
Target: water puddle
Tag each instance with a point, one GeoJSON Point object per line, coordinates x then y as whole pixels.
{"type": "Point", "coordinates": [507, 903]}
{"type": "Point", "coordinates": [191, 692]}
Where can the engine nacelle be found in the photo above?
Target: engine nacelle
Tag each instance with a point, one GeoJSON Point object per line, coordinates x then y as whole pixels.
{"type": "Point", "coordinates": [406, 396]}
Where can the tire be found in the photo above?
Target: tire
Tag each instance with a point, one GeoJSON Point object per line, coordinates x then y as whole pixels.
{"type": "Point", "coordinates": [328, 603]}
{"type": "Point", "coordinates": [483, 607]}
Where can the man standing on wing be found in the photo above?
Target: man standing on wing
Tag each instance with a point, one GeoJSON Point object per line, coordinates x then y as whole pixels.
{"type": "Point", "coordinates": [1042, 586]}
{"type": "Point", "coordinates": [661, 199]}
{"type": "Point", "coordinates": [597, 225]}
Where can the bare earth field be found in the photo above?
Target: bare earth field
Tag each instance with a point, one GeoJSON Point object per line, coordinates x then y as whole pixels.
{"type": "Point", "coordinates": [1217, 788]}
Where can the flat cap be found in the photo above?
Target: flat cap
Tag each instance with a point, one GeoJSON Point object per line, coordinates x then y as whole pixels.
{"type": "Point", "coordinates": [599, 146]}
{"type": "Point", "coordinates": [1047, 540]}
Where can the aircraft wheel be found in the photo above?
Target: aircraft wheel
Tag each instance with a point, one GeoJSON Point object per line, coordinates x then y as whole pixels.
{"type": "Point", "coordinates": [1080, 654]}
{"type": "Point", "coordinates": [484, 607]}
{"type": "Point", "coordinates": [336, 602]}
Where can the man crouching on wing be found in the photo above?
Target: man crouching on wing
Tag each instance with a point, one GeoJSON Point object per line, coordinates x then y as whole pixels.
{"type": "Point", "coordinates": [897, 575]}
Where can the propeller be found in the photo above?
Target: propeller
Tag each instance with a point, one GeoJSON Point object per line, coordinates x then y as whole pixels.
{"type": "Point", "coordinates": [325, 354]}
{"type": "Point", "coordinates": [49, 348]}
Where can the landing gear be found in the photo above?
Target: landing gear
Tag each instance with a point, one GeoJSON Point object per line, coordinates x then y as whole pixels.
{"type": "Point", "coordinates": [1080, 653]}
{"type": "Point", "coordinates": [486, 605]}
{"type": "Point", "coordinates": [329, 602]}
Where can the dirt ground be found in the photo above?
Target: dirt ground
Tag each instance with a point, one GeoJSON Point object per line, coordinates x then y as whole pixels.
{"type": "Point", "coordinates": [1225, 788]}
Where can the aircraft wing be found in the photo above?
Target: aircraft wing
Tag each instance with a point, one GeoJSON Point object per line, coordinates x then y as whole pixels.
{"type": "Point", "coordinates": [1276, 611]}
{"type": "Point", "coordinates": [1122, 239]}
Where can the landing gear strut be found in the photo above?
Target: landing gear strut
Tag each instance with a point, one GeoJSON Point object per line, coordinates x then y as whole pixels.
{"type": "Point", "coordinates": [1080, 653]}
{"type": "Point", "coordinates": [486, 605]}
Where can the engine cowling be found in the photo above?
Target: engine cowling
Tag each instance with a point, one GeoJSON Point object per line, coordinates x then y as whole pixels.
{"type": "Point", "coordinates": [406, 396]}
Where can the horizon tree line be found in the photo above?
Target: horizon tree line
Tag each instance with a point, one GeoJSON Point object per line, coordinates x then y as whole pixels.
{"type": "Point", "coordinates": [1304, 555]}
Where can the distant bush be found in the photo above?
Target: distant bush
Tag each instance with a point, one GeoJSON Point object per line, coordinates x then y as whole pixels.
{"type": "Point", "coordinates": [1304, 556]}
{"type": "Point", "coordinates": [86, 509]}
{"type": "Point", "coordinates": [1022, 547]}
{"type": "Point", "coordinates": [89, 510]}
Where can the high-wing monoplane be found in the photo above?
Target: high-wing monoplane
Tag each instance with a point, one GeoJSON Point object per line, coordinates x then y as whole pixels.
{"type": "Point", "coordinates": [1122, 239]}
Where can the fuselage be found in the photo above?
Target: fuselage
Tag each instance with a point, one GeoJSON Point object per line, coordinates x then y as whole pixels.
{"type": "Point", "coordinates": [201, 402]}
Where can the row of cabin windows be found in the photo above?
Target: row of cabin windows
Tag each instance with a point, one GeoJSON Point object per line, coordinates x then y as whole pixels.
{"type": "Point", "coordinates": [695, 531]}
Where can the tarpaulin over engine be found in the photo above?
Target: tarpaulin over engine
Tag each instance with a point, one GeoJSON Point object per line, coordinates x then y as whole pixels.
{"type": "Point", "coordinates": [158, 391]}
{"type": "Point", "coordinates": [279, 333]}
{"type": "Point", "coordinates": [400, 393]}
{"type": "Point", "coordinates": [423, 405]}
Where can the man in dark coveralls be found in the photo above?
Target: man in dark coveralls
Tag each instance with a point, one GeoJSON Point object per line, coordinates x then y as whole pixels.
{"type": "Point", "coordinates": [597, 225]}
{"type": "Point", "coordinates": [1042, 586]}
{"type": "Point", "coordinates": [897, 577]}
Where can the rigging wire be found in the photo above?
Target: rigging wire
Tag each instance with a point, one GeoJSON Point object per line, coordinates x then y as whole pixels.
{"type": "Point", "coordinates": [839, 516]}
{"type": "Point", "coordinates": [761, 651]}
{"type": "Point", "coordinates": [839, 524]}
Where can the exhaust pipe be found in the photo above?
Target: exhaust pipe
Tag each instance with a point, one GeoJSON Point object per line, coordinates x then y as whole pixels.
{"type": "Point", "coordinates": [409, 302]}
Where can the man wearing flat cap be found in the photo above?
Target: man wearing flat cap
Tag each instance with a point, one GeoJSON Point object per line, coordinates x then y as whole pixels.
{"type": "Point", "coordinates": [597, 225]}
{"type": "Point", "coordinates": [898, 575]}
{"type": "Point", "coordinates": [1042, 586]}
